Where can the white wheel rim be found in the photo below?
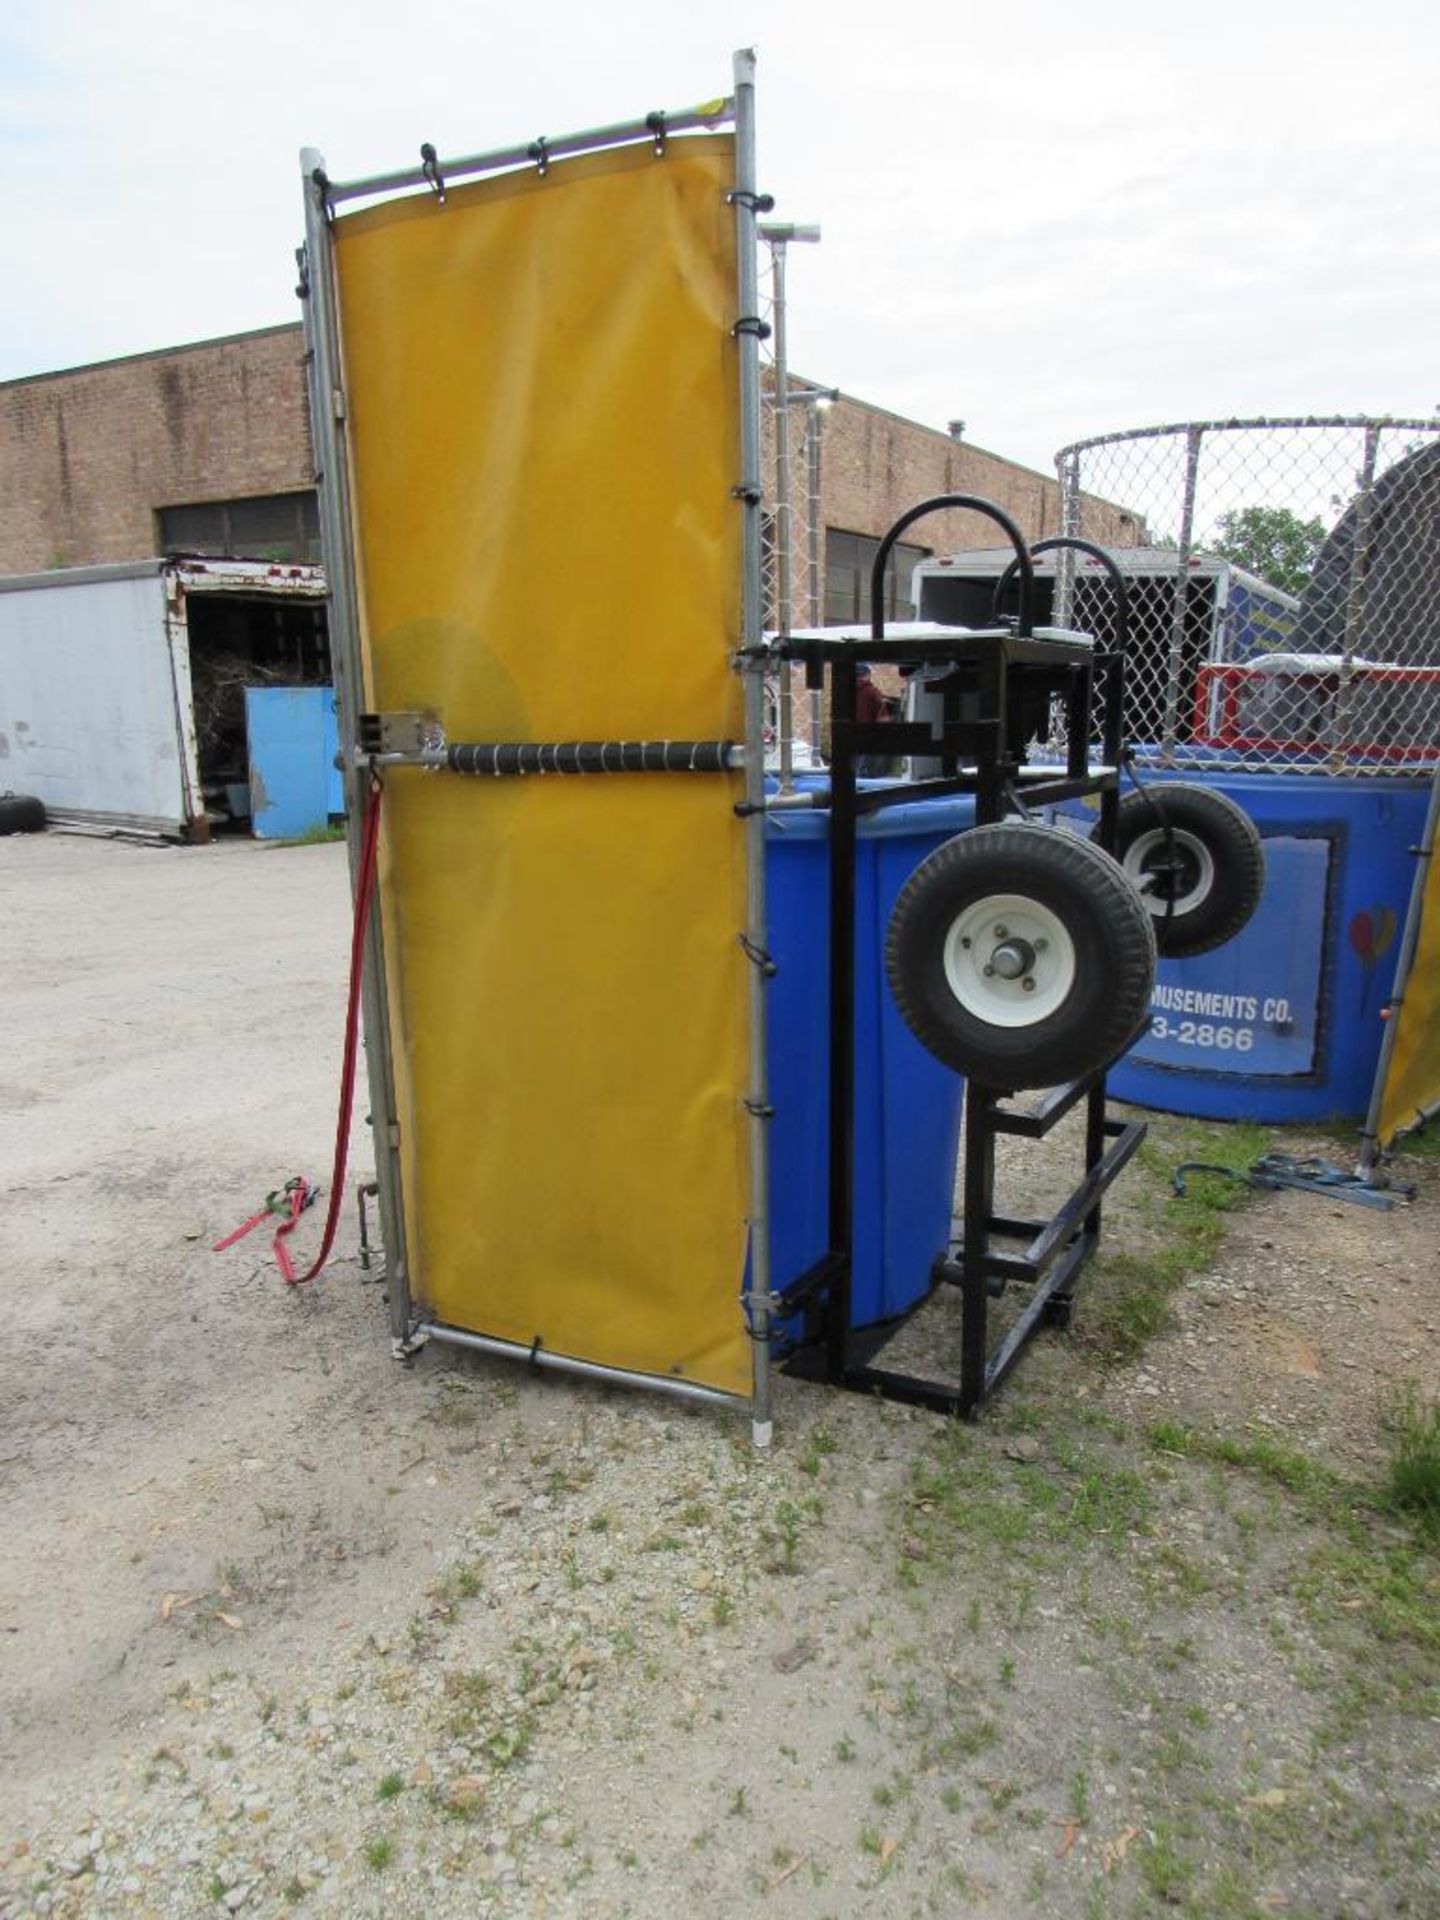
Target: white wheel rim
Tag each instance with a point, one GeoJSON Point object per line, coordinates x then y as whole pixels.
{"type": "Point", "coordinates": [982, 949]}
{"type": "Point", "coordinates": [1151, 845]}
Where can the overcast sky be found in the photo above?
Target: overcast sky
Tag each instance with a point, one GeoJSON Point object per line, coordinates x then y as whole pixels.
{"type": "Point", "coordinates": [1049, 220]}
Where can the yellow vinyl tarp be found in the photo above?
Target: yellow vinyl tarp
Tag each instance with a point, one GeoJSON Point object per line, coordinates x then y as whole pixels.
{"type": "Point", "coordinates": [1412, 1079]}
{"type": "Point", "coordinates": [541, 396]}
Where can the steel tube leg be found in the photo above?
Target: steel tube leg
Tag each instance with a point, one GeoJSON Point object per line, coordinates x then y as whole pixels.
{"type": "Point", "coordinates": [979, 1206]}
{"type": "Point", "coordinates": [842, 1012]}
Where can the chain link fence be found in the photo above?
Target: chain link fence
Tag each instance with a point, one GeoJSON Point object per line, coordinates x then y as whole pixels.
{"type": "Point", "coordinates": [1284, 589]}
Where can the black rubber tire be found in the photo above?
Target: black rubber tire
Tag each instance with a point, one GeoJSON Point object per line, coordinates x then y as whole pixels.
{"type": "Point", "coordinates": [21, 813]}
{"type": "Point", "coordinates": [1103, 917]}
{"type": "Point", "coordinates": [1210, 832]}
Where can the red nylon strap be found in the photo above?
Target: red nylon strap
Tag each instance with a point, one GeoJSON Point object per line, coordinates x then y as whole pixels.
{"type": "Point", "coordinates": [298, 1196]}
{"type": "Point", "coordinates": [245, 1226]}
{"type": "Point", "coordinates": [364, 890]}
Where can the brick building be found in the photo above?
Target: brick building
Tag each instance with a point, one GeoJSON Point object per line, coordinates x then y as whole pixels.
{"type": "Point", "coordinates": [205, 449]}
{"type": "Point", "coordinates": [98, 464]}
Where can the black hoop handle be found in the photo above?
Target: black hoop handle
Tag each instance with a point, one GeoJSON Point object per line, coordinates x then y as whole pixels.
{"type": "Point", "coordinates": [1106, 559]}
{"type": "Point", "coordinates": [973, 503]}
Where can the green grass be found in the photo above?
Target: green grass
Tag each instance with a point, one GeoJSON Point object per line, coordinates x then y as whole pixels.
{"type": "Point", "coordinates": [390, 1787]}
{"type": "Point", "coordinates": [1263, 1459]}
{"type": "Point", "coordinates": [1358, 1583]}
{"type": "Point", "coordinates": [1079, 1798]}
{"type": "Point", "coordinates": [959, 1489]}
{"type": "Point", "coordinates": [378, 1854]}
{"type": "Point", "coordinates": [322, 834]}
{"type": "Point", "coordinates": [1424, 1142]}
{"type": "Point", "coordinates": [1164, 1870]}
{"type": "Point", "coordinates": [1128, 1302]}
{"type": "Point", "coordinates": [1413, 1485]}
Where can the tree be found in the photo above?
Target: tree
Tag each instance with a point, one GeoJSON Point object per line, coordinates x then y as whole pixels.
{"type": "Point", "coordinates": [1271, 541]}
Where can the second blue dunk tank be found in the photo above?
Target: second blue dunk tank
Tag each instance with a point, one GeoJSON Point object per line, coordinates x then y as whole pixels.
{"type": "Point", "coordinates": [1284, 1023]}
{"type": "Point", "coordinates": [907, 1105]}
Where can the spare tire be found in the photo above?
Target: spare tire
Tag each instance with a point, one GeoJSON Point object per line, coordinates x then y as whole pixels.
{"type": "Point", "coordinates": [1021, 956]}
{"type": "Point", "coordinates": [21, 813]}
{"type": "Point", "coordinates": [1196, 858]}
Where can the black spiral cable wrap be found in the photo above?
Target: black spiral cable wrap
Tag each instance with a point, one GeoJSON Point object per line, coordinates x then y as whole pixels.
{"type": "Point", "coordinates": [501, 758]}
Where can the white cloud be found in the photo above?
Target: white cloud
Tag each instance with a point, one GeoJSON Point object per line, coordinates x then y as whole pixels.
{"type": "Point", "coordinates": [1052, 223]}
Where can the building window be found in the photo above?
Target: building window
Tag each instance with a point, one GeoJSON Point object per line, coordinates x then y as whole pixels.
{"type": "Point", "coordinates": [275, 526]}
{"type": "Point", "coordinates": [848, 560]}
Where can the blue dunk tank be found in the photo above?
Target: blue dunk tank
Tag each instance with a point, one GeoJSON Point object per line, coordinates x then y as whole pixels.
{"type": "Point", "coordinates": [1284, 1022]}
{"type": "Point", "coordinates": [1315, 707]}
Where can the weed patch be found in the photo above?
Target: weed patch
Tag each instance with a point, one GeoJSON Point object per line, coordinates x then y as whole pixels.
{"type": "Point", "coordinates": [1413, 1486]}
{"type": "Point", "coordinates": [1128, 1297]}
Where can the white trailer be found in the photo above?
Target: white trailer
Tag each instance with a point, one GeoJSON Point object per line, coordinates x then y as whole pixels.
{"type": "Point", "coordinates": [98, 674]}
{"type": "Point", "coordinates": [1189, 618]}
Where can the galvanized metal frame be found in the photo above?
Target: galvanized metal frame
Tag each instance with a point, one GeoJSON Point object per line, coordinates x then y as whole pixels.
{"type": "Point", "coordinates": [759, 1302]}
{"type": "Point", "coordinates": [328, 416]}
{"type": "Point", "coordinates": [325, 373]}
{"type": "Point", "coordinates": [655, 127]}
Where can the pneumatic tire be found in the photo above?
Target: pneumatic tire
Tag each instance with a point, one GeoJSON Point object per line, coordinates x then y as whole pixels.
{"type": "Point", "coordinates": [21, 813]}
{"type": "Point", "coordinates": [1021, 956]}
{"type": "Point", "coordinates": [1196, 858]}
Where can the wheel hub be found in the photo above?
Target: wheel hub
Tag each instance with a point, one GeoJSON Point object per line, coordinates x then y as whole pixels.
{"type": "Point", "coordinates": [1174, 870]}
{"type": "Point", "coordinates": [1009, 960]}
{"type": "Point", "coordinates": [1013, 959]}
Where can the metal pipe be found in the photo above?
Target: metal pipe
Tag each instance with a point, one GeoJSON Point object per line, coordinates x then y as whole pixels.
{"type": "Point", "coordinates": [714, 113]}
{"type": "Point", "coordinates": [816, 614]}
{"type": "Point", "coordinates": [784, 589]}
{"type": "Point", "coordinates": [1032, 771]}
{"type": "Point", "coordinates": [1069, 468]}
{"type": "Point", "coordinates": [582, 1369]}
{"type": "Point", "coordinates": [1176, 663]}
{"type": "Point", "coordinates": [751, 620]}
{"type": "Point", "coordinates": [1388, 421]}
{"type": "Point", "coordinates": [1370, 1148]}
{"type": "Point", "coordinates": [327, 416]}
{"type": "Point", "coordinates": [1355, 599]}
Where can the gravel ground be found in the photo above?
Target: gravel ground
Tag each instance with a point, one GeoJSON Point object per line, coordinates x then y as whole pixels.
{"type": "Point", "coordinates": [286, 1627]}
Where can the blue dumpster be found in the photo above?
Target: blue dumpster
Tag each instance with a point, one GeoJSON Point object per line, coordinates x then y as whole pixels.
{"type": "Point", "coordinates": [907, 1106]}
{"type": "Point", "coordinates": [294, 783]}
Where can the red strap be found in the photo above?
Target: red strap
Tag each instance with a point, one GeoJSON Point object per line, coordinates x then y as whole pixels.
{"type": "Point", "coordinates": [298, 1196]}
{"type": "Point", "coordinates": [245, 1226]}
{"type": "Point", "coordinates": [364, 889]}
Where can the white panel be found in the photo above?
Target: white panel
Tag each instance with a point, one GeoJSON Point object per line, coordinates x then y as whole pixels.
{"type": "Point", "coordinates": [87, 699]}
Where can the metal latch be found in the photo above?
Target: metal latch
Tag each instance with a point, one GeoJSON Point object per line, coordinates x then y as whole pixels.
{"type": "Point", "coordinates": [406, 730]}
